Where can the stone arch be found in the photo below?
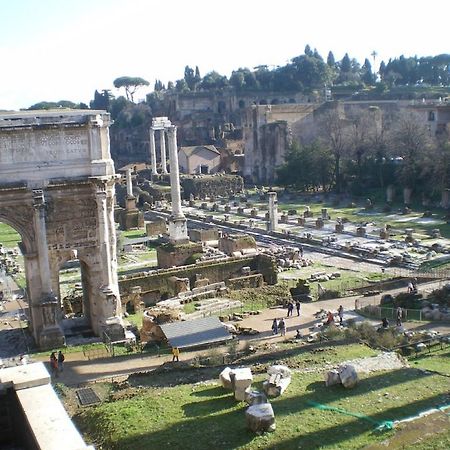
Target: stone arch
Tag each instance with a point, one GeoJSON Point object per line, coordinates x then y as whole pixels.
{"type": "Point", "coordinates": [57, 190]}
{"type": "Point", "coordinates": [21, 219]}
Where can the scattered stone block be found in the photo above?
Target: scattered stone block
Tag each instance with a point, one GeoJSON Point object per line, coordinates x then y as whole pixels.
{"type": "Point", "coordinates": [332, 378]}
{"type": "Point", "coordinates": [225, 379]}
{"type": "Point", "coordinates": [241, 379]}
{"type": "Point", "coordinates": [279, 380]}
{"type": "Point", "coordinates": [361, 231]}
{"type": "Point", "coordinates": [260, 418]}
{"type": "Point", "coordinates": [348, 376]}
{"type": "Point", "coordinates": [253, 397]}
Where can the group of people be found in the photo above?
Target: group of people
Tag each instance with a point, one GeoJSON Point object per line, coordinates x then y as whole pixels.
{"type": "Point", "coordinates": [279, 326]}
{"type": "Point", "coordinates": [290, 308]}
{"type": "Point", "coordinates": [57, 363]}
{"type": "Point", "coordinates": [330, 316]}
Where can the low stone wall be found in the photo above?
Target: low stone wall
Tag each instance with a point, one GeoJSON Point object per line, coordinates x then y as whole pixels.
{"type": "Point", "coordinates": [211, 185]}
{"type": "Point", "coordinates": [170, 255]}
{"type": "Point", "coordinates": [156, 285]}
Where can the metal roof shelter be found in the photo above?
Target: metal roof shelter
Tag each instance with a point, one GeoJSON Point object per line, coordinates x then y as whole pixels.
{"type": "Point", "coordinates": [192, 333]}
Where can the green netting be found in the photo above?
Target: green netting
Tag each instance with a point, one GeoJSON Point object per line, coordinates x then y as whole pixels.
{"type": "Point", "coordinates": [379, 425]}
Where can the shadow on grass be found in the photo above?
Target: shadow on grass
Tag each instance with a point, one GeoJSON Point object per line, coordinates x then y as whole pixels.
{"type": "Point", "coordinates": [215, 391]}
{"type": "Point", "coordinates": [211, 406]}
{"type": "Point", "coordinates": [339, 434]}
{"type": "Point", "coordinates": [222, 431]}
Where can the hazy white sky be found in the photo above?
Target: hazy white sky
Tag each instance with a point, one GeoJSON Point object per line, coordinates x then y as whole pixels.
{"type": "Point", "coordinates": [65, 49]}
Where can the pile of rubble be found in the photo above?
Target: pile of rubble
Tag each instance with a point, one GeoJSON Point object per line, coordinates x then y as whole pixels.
{"type": "Point", "coordinates": [259, 415]}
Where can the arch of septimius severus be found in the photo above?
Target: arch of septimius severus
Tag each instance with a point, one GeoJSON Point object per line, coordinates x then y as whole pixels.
{"type": "Point", "coordinates": [57, 190]}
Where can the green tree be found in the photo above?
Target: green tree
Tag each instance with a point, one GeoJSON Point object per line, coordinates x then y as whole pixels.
{"type": "Point", "coordinates": [308, 51]}
{"type": "Point", "coordinates": [213, 80]}
{"type": "Point", "coordinates": [330, 60]}
{"type": "Point", "coordinates": [306, 167]}
{"type": "Point", "coordinates": [189, 78]}
{"type": "Point", "coordinates": [366, 73]}
{"type": "Point", "coordinates": [182, 86]}
{"type": "Point", "coordinates": [130, 84]}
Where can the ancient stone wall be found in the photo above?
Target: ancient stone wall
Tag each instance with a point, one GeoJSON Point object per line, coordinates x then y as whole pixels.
{"type": "Point", "coordinates": [157, 285]}
{"type": "Point", "coordinates": [170, 255]}
{"type": "Point", "coordinates": [203, 186]}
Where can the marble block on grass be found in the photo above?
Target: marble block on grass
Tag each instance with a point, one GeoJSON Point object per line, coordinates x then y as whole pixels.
{"type": "Point", "coordinates": [348, 376]}
{"type": "Point", "coordinates": [260, 418]}
{"type": "Point", "coordinates": [241, 379]}
{"type": "Point", "coordinates": [225, 379]}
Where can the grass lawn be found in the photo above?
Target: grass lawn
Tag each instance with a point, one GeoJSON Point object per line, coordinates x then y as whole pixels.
{"type": "Point", "coordinates": [395, 219]}
{"type": "Point", "coordinates": [9, 236]}
{"type": "Point", "coordinates": [438, 361]}
{"type": "Point", "coordinates": [203, 415]}
{"type": "Point", "coordinates": [132, 234]}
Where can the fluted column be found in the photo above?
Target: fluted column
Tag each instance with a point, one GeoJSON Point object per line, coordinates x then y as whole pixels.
{"type": "Point", "coordinates": [177, 222]}
{"type": "Point", "coordinates": [153, 152]}
{"type": "Point", "coordinates": [175, 192]}
{"type": "Point", "coordinates": [41, 240]}
{"type": "Point", "coordinates": [162, 135]}
{"type": "Point", "coordinates": [129, 184]}
{"type": "Point", "coordinates": [103, 233]}
{"type": "Point", "coordinates": [273, 211]}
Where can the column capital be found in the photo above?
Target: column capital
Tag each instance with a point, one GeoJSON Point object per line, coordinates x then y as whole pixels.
{"type": "Point", "coordinates": [38, 198]}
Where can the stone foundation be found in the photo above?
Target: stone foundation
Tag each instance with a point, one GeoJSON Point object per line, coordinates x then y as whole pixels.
{"type": "Point", "coordinates": [170, 255]}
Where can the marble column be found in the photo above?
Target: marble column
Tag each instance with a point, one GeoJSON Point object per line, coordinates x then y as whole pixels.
{"type": "Point", "coordinates": [273, 211]}
{"type": "Point", "coordinates": [162, 136]}
{"type": "Point", "coordinates": [103, 234]}
{"type": "Point", "coordinates": [129, 184]}
{"type": "Point", "coordinates": [153, 152]}
{"type": "Point", "coordinates": [48, 332]}
{"type": "Point", "coordinates": [177, 222]}
{"type": "Point", "coordinates": [41, 240]}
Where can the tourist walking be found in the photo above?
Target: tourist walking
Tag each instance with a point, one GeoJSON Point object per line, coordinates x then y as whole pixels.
{"type": "Point", "coordinates": [275, 326]}
{"type": "Point", "coordinates": [282, 327]}
{"type": "Point", "coordinates": [61, 360]}
{"type": "Point", "coordinates": [290, 308]}
{"type": "Point", "coordinates": [176, 354]}
{"type": "Point", "coordinates": [399, 316]}
{"type": "Point", "coordinates": [54, 365]}
{"type": "Point", "coordinates": [340, 313]}
{"type": "Point", "coordinates": [297, 305]}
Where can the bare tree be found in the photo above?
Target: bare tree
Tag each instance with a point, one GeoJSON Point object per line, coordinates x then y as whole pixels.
{"type": "Point", "coordinates": [411, 141]}
{"type": "Point", "coordinates": [334, 130]}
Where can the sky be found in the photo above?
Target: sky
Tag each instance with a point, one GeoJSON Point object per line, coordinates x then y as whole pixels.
{"type": "Point", "coordinates": [54, 50]}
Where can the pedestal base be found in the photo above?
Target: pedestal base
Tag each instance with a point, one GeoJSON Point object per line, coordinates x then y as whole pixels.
{"type": "Point", "coordinates": [114, 329]}
{"type": "Point", "coordinates": [51, 337]}
{"type": "Point", "coordinates": [178, 230]}
{"type": "Point", "coordinates": [130, 219]}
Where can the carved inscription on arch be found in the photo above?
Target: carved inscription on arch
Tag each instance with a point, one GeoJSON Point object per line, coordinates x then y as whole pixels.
{"type": "Point", "coordinates": [72, 224]}
{"type": "Point", "coordinates": [29, 146]}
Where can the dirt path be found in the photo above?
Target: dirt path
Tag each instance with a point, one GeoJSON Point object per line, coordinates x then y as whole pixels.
{"type": "Point", "coordinates": [79, 370]}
